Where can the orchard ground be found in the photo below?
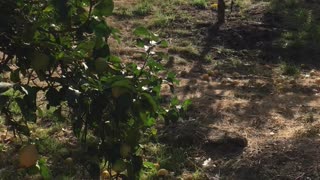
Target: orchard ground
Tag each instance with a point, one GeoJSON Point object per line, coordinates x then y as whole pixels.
{"type": "Point", "coordinates": [255, 105]}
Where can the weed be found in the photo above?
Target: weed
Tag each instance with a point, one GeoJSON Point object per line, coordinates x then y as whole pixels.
{"type": "Point", "coordinates": [142, 9]}
{"type": "Point", "coordinates": [289, 69]}
{"type": "Point", "coordinates": [199, 3]}
{"type": "Point", "coordinates": [242, 3]}
{"type": "Point", "coordinates": [188, 51]}
{"type": "Point", "coordinates": [124, 12]}
{"type": "Point", "coordinates": [170, 158]}
{"type": "Point", "coordinates": [208, 58]}
{"type": "Point", "coordinates": [198, 175]}
{"type": "Point", "coordinates": [162, 20]}
{"type": "Point", "coordinates": [302, 36]}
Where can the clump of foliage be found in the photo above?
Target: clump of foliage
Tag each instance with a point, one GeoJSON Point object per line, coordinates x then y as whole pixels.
{"type": "Point", "coordinates": [302, 30]}
{"type": "Point", "coordinates": [60, 48]}
{"type": "Point", "coordinates": [200, 3]}
{"type": "Point", "coordinates": [289, 69]}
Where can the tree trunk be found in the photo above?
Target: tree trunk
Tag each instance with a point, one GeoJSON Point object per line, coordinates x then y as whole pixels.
{"type": "Point", "coordinates": [221, 11]}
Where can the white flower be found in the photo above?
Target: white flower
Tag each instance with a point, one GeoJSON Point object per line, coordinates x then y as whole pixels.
{"type": "Point", "coordinates": [145, 88]}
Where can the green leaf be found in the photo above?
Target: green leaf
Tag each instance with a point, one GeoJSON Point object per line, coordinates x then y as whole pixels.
{"type": "Point", "coordinates": [48, 9]}
{"type": "Point", "coordinates": [186, 104]}
{"type": "Point", "coordinates": [44, 170]}
{"type": "Point", "coordinates": [114, 59]}
{"type": "Point", "coordinates": [171, 77]}
{"type": "Point", "coordinates": [148, 165]}
{"type": "Point", "coordinates": [151, 103]}
{"type": "Point", "coordinates": [102, 29]}
{"type": "Point", "coordinates": [104, 8]}
{"type": "Point", "coordinates": [141, 31]}
{"type": "Point", "coordinates": [124, 83]}
{"type": "Point", "coordinates": [28, 103]}
{"type": "Point", "coordinates": [149, 122]}
{"type": "Point", "coordinates": [164, 44]}
{"type": "Point", "coordinates": [140, 43]}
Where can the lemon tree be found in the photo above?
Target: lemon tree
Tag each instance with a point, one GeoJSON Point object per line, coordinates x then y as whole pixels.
{"type": "Point", "coordinates": [59, 48]}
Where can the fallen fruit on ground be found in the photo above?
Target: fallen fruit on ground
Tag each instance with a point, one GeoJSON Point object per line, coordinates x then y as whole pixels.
{"type": "Point", "coordinates": [68, 161]}
{"type": "Point", "coordinates": [28, 156]}
{"type": "Point", "coordinates": [163, 172]}
{"type": "Point", "coordinates": [105, 175]}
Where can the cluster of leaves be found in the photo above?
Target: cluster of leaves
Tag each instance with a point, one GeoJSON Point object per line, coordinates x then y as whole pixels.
{"type": "Point", "coordinates": [59, 47]}
{"type": "Point", "coordinates": [302, 30]}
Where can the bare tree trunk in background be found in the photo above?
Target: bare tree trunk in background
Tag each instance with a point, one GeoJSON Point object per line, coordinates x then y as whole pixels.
{"type": "Point", "coordinates": [221, 11]}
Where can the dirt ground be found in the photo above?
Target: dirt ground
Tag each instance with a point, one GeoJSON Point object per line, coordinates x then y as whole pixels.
{"type": "Point", "coordinates": [248, 119]}
{"type": "Point", "coordinates": [235, 83]}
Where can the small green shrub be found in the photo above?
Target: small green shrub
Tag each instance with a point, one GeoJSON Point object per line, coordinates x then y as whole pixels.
{"type": "Point", "coordinates": [301, 38]}
{"type": "Point", "coordinates": [199, 3]}
{"type": "Point", "coordinates": [289, 69]}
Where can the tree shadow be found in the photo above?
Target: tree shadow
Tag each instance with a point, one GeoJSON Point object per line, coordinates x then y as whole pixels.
{"type": "Point", "coordinates": [297, 157]}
